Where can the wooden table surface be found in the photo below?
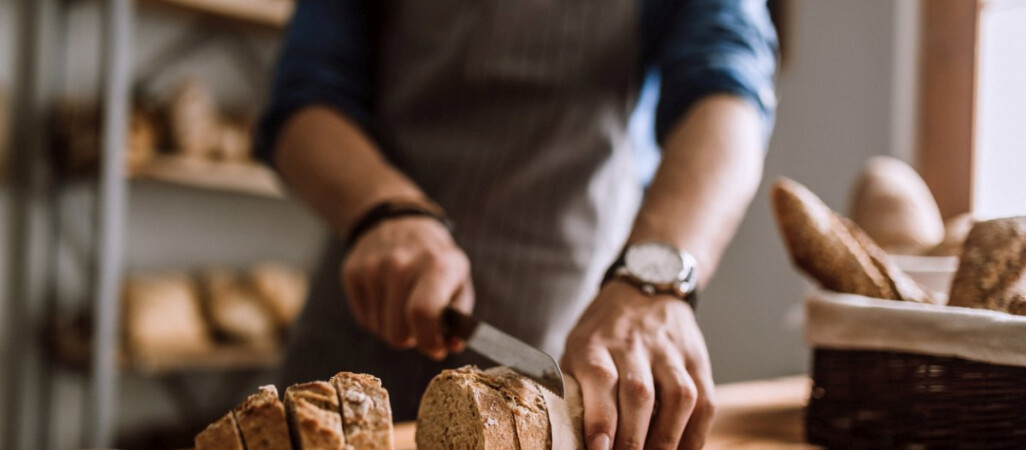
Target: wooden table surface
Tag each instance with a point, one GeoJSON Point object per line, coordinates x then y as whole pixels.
{"type": "Point", "coordinates": [751, 415]}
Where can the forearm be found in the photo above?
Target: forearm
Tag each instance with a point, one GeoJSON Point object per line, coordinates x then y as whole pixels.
{"type": "Point", "coordinates": [711, 168]}
{"type": "Point", "coordinates": [331, 164]}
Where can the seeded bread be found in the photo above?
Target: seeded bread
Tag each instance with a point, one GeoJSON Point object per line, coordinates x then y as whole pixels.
{"type": "Point", "coordinates": [821, 245]}
{"type": "Point", "coordinates": [895, 207]}
{"type": "Point", "coordinates": [314, 419]}
{"type": "Point", "coordinates": [366, 412]}
{"type": "Point", "coordinates": [220, 435]}
{"type": "Point", "coordinates": [497, 409]}
{"type": "Point", "coordinates": [262, 421]}
{"type": "Point", "coordinates": [992, 271]}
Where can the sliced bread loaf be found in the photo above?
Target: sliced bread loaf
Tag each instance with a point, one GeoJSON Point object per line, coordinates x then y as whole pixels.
{"type": "Point", "coordinates": [262, 421]}
{"type": "Point", "coordinates": [220, 435]}
{"type": "Point", "coordinates": [366, 412]}
{"type": "Point", "coordinates": [496, 409]}
{"type": "Point", "coordinates": [313, 414]}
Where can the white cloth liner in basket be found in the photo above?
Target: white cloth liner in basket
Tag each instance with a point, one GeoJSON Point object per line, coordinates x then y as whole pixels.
{"type": "Point", "coordinates": [854, 322]}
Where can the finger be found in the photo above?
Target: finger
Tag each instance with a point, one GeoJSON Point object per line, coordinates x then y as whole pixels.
{"type": "Point", "coordinates": [596, 373]}
{"type": "Point", "coordinates": [705, 409]}
{"type": "Point", "coordinates": [636, 395]}
{"type": "Point", "coordinates": [463, 302]}
{"type": "Point", "coordinates": [432, 292]}
{"type": "Point", "coordinates": [676, 395]}
{"type": "Point", "coordinates": [395, 283]}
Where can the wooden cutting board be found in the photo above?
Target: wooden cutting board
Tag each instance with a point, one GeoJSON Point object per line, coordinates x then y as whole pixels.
{"type": "Point", "coordinates": [763, 414]}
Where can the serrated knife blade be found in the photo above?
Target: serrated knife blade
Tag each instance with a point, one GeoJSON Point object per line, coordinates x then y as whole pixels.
{"type": "Point", "coordinates": [494, 344]}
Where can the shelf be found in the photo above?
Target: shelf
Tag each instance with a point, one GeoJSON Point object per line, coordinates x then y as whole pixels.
{"type": "Point", "coordinates": [70, 342]}
{"type": "Point", "coordinates": [269, 13]}
{"type": "Point", "coordinates": [247, 178]}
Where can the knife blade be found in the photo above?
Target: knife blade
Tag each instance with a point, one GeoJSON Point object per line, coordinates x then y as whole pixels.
{"type": "Point", "coordinates": [504, 349]}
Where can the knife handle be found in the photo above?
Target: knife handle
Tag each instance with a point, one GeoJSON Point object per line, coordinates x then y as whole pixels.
{"type": "Point", "coordinates": [457, 325]}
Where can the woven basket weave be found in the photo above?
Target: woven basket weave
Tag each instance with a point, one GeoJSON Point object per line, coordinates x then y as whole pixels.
{"type": "Point", "coordinates": [893, 400]}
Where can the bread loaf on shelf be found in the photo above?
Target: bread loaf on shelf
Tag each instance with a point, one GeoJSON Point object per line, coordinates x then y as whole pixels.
{"type": "Point", "coordinates": [497, 409]}
{"type": "Point", "coordinates": [282, 288]}
{"type": "Point", "coordinates": [992, 271]}
{"type": "Point", "coordinates": [163, 317]}
{"type": "Point", "coordinates": [235, 310]}
{"type": "Point", "coordinates": [193, 119]}
{"type": "Point", "coordinates": [895, 207]}
{"type": "Point", "coordinates": [314, 416]}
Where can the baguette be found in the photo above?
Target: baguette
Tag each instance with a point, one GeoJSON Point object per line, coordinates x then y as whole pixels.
{"type": "Point", "coordinates": [313, 415]}
{"type": "Point", "coordinates": [262, 421]}
{"type": "Point", "coordinates": [366, 412]}
{"type": "Point", "coordinates": [903, 286]}
{"type": "Point", "coordinates": [821, 245]}
{"type": "Point", "coordinates": [992, 271]}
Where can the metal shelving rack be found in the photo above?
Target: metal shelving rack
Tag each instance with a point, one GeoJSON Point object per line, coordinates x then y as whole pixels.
{"type": "Point", "coordinates": [33, 183]}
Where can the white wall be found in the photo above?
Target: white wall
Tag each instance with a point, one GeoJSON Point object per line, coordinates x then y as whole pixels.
{"type": "Point", "coordinates": [835, 111]}
{"type": "Point", "coordinates": [999, 185]}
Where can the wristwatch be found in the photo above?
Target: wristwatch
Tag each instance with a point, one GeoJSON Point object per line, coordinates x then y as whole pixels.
{"type": "Point", "coordinates": [657, 268]}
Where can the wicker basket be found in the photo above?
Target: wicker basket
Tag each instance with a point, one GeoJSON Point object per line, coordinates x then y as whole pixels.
{"type": "Point", "coordinates": [866, 395]}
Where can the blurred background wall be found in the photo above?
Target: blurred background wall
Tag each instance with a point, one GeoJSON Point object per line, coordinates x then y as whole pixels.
{"type": "Point", "coordinates": [844, 94]}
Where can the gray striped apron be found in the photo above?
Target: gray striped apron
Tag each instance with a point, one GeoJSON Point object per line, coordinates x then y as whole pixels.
{"type": "Point", "coordinates": [512, 115]}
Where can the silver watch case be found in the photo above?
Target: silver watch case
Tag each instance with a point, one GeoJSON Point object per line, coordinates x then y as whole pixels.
{"type": "Point", "coordinates": [669, 258]}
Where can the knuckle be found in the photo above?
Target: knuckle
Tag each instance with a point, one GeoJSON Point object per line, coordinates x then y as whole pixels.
{"type": "Point", "coordinates": [601, 373]}
{"type": "Point", "coordinates": [638, 389]}
{"type": "Point", "coordinates": [706, 406]}
{"type": "Point", "coordinates": [634, 443]}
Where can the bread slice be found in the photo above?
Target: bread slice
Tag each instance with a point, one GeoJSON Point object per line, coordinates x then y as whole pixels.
{"type": "Point", "coordinates": [992, 271]}
{"type": "Point", "coordinates": [314, 419]}
{"type": "Point", "coordinates": [497, 409]}
{"type": "Point", "coordinates": [821, 245]}
{"type": "Point", "coordinates": [903, 286]}
{"type": "Point", "coordinates": [526, 403]}
{"type": "Point", "coordinates": [262, 421]}
{"type": "Point", "coordinates": [366, 412]}
{"type": "Point", "coordinates": [220, 435]}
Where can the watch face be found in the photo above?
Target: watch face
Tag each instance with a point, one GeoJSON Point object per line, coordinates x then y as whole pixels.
{"type": "Point", "coordinates": [654, 263]}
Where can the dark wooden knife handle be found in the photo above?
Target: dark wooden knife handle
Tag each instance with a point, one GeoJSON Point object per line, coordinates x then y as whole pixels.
{"type": "Point", "coordinates": [457, 325]}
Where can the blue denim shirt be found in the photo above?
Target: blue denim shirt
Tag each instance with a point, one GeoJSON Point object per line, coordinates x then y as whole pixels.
{"type": "Point", "coordinates": [696, 47]}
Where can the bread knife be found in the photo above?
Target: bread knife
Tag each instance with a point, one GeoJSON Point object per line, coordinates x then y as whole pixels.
{"type": "Point", "coordinates": [504, 349]}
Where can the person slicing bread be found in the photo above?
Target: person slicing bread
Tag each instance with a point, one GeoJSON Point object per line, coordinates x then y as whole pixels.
{"type": "Point", "coordinates": [397, 120]}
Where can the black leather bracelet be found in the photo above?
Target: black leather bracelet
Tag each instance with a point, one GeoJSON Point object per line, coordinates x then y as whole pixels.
{"type": "Point", "coordinates": [388, 210]}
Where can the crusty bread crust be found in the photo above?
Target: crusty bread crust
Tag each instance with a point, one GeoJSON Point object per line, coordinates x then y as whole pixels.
{"type": "Point", "coordinates": [526, 403]}
{"type": "Point", "coordinates": [460, 411]}
{"type": "Point", "coordinates": [992, 271]}
{"type": "Point", "coordinates": [314, 416]}
{"type": "Point", "coordinates": [821, 245]}
{"type": "Point", "coordinates": [220, 435]}
{"type": "Point", "coordinates": [366, 412]}
{"type": "Point", "coordinates": [262, 421]}
{"type": "Point", "coordinates": [903, 286]}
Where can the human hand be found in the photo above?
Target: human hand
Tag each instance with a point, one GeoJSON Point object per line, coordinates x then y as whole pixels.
{"type": "Point", "coordinates": [644, 371]}
{"type": "Point", "coordinates": [400, 275]}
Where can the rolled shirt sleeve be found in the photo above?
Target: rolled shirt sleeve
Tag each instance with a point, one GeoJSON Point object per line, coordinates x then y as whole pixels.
{"type": "Point", "coordinates": [703, 47]}
{"type": "Point", "coordinates": [325, 60]}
